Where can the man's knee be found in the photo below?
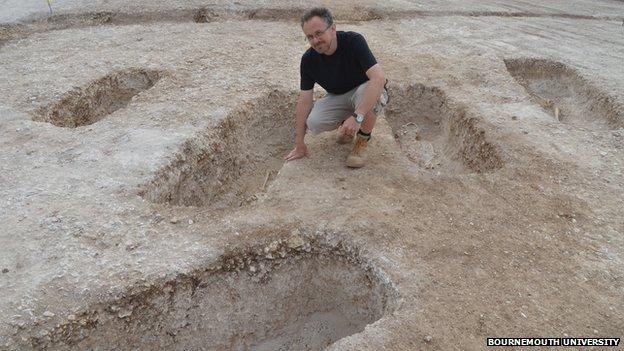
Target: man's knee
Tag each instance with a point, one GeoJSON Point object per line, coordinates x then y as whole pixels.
{"type": "Point", "coordinates": [316, 125]}
{"type": "Point", "coordinates": [318, 121]}
{"type": "Point", "coordinates": [378, 108]}
{"type": "Point", "coordinates": [313, 125]}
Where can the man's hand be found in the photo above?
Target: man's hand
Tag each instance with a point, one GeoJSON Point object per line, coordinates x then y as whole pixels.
{"type": "Point", "coordinates": [350, 126]}
{"type": "Point", "coordinates": [298, 152]}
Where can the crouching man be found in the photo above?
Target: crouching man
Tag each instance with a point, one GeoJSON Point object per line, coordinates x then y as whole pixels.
{"type": "Point", "coordinates": [344, 66]}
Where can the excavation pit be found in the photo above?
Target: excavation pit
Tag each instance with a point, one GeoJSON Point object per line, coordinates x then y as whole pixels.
{"type": "Point", "coordinates": [565, 94]}
{"type": "Point", "coordinates": [87, 105]}
{"type": "Point", "coordinates": [203, 15]}
{"type": "Point", "coordinates": [437, 134]}
{"type": "Point", "coordinates": [289, 295]}
{"type": "Point", "coordinates": [229, 165]}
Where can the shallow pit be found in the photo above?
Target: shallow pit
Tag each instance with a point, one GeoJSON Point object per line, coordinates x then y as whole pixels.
{"type": "Point", "coordinates": [9, 32]}
{"type": "Point", "coordinates": [203, 15]}
{"type": "Point", "coordinates": [87, 105]}
{"type": "Point", "coordinates": [565, 94]}
{"type": "Point", "coordinates": [228, 165]}
{"type": "Point", "coordinates": [290, 294]}
{"type": "Point", "coordinates": [438, 134]}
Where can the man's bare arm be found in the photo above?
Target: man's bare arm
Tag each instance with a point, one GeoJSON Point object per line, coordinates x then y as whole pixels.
{"type": "Point", "coordinates": [372, 92]}
{"type": "Point", "coordinates": [304, 106]}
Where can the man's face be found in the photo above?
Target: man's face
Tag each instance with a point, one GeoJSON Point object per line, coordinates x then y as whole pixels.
{"type": "Point", "coordinates": [319, 36]}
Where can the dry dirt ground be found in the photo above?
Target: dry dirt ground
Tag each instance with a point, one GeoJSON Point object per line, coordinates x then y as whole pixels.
{"type": "Point", "coordinates": [145, 204]}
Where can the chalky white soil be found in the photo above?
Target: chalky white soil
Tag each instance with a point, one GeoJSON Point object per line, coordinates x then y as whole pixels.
{"type": "Point", "coordinates": [144, 203]}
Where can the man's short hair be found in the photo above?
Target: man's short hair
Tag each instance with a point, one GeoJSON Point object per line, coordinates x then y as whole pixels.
{"type": "Point", "coordinates": [321, 12]}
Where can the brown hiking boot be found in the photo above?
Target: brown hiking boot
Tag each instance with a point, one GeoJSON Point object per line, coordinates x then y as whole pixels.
{"type": "Point", "coordinates": [357, 158]}
{"type": "Point", "coordinates": [344, 138]}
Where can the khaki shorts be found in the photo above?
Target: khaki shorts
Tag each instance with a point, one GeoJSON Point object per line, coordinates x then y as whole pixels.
{"type": "Point", "coordinates": [331, 110]}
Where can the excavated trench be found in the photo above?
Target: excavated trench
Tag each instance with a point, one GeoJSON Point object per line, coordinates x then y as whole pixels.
{"type": "Point", "coordinates": [210, 13]}
{"type": "Point", "coordinates": [87, 105]}
{"type": "Point", "coordinates": [437, 134]}
{"type": "Point", "coordinates": [205, 14]}
{"type": "Point", "coordinates": [228, 165]}
{"type": "Point", "coordinates": [291, 294]}
{"type": "Point", "coordinates": [565, 94]}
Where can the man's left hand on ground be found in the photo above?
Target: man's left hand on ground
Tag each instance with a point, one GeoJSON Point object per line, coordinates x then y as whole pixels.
{"type": "Point", "coordinates": [298, 152]}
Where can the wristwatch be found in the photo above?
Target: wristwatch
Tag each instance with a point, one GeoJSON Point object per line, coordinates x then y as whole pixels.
{"type": "Point", "coordinates": [358, 117]}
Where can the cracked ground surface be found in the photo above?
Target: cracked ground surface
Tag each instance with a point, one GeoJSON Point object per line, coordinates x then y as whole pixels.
{"type": "Point", "coordinates": [531, 247]}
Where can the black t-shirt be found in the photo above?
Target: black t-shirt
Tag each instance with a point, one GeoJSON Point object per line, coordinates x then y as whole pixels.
{"type": "Point", "coordinates": [342, 71]}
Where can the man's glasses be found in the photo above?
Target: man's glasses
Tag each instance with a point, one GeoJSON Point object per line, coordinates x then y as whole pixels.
{"type": "Point", "coordinates": [317, 34]}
